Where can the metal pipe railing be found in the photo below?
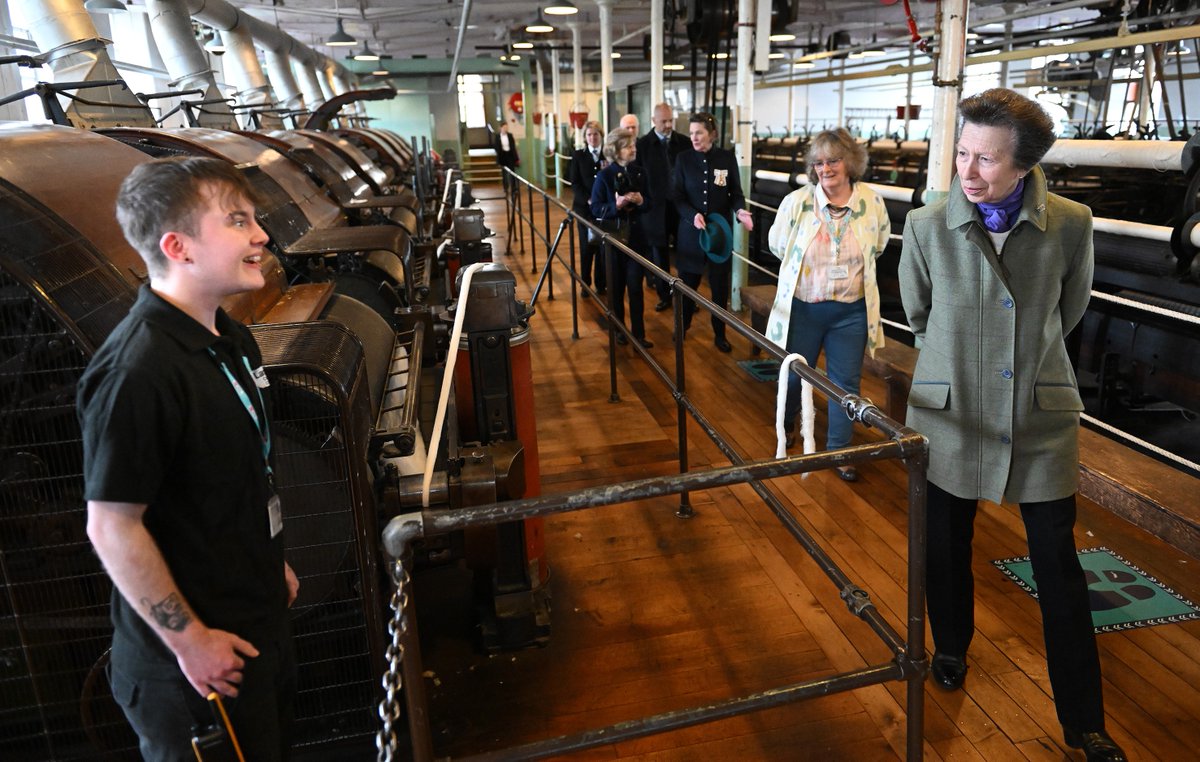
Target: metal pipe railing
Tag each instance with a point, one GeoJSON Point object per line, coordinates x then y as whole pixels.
{"type": "Point", "coordinates": [908, 651]}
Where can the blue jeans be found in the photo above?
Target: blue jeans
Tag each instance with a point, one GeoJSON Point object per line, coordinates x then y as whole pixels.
{"type": "Point", "coordinates": [841, 329]}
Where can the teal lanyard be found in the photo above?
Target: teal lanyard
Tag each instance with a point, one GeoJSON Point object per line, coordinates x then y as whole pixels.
{"type": "Point", "coordinates": [836, 232]}
{"type": "Point", "coordinates": [264, 431]}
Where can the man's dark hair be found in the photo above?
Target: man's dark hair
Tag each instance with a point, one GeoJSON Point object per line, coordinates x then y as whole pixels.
{"type": "Point", "coordinates": [1031, 127]}
{"type": "Point", "coordinates": [169, 194]}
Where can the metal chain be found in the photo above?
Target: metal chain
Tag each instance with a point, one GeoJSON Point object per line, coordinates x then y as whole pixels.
{"type": "Point", "coordinates": [389, 706]}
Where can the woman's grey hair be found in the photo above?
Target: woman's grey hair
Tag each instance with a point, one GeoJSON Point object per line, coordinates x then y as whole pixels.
{"type": "Point", "coordinates": [836, 144]}
{"type": "Point", "coordinates": [1031, 127]}
{"type": "Point", "coordinates": [617, 140]}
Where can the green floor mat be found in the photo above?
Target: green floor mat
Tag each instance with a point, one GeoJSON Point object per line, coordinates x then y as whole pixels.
{"type": "Point", "coordinates": [1122, 596]}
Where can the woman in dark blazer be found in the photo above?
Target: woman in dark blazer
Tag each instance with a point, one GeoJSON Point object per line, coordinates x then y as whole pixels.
{"type": "Point", "coordinates": [586, 163]}
{"type": "Point", "coordinates": [992, 278]}
{"type": "Point", "coordinates": [706, 181]}
{"type": "Point", "coordinates": [618, 201]}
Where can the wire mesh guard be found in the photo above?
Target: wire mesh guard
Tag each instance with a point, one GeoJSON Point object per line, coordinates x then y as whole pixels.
{"type": "Point", "coordinates": [54, 596]}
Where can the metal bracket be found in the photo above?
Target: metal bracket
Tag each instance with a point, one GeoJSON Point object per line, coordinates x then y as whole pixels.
{"type": "Point", "coordinates": [857, 599]}
{"type": "Point", "coordinates": [401, 531]}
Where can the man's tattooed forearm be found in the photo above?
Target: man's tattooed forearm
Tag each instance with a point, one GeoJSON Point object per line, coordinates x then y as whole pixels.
{"type": "Point", "coordinates": [169, 613]}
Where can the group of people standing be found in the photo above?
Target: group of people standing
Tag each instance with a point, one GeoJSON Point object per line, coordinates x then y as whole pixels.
{"type": "Point", "coordinates": [642, 190]}
{"type": "Point", "coordinates": [992, 278]}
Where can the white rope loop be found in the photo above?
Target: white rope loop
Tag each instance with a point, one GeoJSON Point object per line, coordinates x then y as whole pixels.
{"type": "Point", "coordinates": [807, 414]}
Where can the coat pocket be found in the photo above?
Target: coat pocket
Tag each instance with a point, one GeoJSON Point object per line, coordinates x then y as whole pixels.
{"type": "Point", "coordinates": [934, 395]}
{"type": "Point", "coordinates": [1058, 397]}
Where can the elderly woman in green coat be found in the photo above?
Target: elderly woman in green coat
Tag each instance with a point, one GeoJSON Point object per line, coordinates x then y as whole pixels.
{"type": "Point", "coordinates": [993, 277]}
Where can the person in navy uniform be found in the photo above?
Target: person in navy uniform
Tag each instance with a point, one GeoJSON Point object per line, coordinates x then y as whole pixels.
{"type": "Point", "coordinates": [656, 154]}
{"type": "Point", "coordinates": [618, 203]}
{"type": "Point", "coordinates": [706, 181]}
{"type": "Point", "coordinates": [586, 163]}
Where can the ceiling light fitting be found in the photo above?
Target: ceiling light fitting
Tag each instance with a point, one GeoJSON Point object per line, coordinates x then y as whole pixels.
{"type": "Point", "coordinates": [366, 54]}
{"type": "Point", "coordinates": [781, 37]}
{"type": "Point", "coordinates": [561, 9]}
{"type": "Point", "coordinates": [523, 45]}
{"type": "Point", "coordinates": [105, 6]}
{"type": "Point", "coordinates": [339, 39]}
{"type": "Point", "coordinates": [539, 25]}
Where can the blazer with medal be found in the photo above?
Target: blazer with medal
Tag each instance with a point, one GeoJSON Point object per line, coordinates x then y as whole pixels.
{"type": "Point", "coordinates": [703, 183]}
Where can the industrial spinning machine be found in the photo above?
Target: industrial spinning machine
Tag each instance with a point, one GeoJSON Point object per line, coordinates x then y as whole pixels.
{"type": "Point", "coordinates": [354, 330]}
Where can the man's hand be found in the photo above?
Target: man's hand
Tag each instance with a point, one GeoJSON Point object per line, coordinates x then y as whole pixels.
{"type": "Point", "coordinates": [293, 583]}
{"type": "Point", "coordinates": [699, 221]}
{"type": "Point", "coordinates": [212, 660]}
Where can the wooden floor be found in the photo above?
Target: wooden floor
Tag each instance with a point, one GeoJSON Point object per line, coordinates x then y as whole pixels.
{"type": "Point", "coordinates": [654, 613]}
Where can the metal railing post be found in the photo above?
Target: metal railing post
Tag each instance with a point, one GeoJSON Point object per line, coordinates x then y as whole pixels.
{"type": "Point", "coordinates": [532, 232]}
{"type": "Point", "coordinates": [611, 318]}
{"type": "Point", "coordinates": [685, 510]}
{"type": "Point", "coordinates": [549, 259]}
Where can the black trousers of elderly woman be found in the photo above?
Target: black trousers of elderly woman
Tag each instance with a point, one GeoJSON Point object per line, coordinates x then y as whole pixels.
{"type": "Point", "coordinates": [1072, 659]}
{"type": "Point", "coordinates": [625, 275]}
{"type": "Point", "coordinates": [720, 278]}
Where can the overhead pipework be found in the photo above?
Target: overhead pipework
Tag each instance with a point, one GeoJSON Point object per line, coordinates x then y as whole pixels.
{"type": "Point", "coordinates": [74, 51]}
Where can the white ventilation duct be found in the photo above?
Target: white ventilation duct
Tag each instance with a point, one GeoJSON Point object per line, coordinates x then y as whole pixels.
{"type": "Point", "coordinates": [65, 34]}
{"type": "Point", "coordinates": [186, 61]}
{"type": "Point", "coordinates": [283, 53]}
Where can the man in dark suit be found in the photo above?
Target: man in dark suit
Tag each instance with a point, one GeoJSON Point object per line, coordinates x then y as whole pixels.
{"type": "Point", "coordinates": [656, 152]}
{"type": "Point", "coordinates": [585, 163]}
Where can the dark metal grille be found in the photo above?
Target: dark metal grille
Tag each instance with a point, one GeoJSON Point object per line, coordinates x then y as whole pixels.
{"type": "Point", "coordinates": [320, 415]}
{"type": "Point", "coordinates": [54, 596]}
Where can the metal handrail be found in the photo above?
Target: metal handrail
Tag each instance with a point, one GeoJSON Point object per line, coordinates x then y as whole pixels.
{"type": "Point", "coordinates": [908, 652]}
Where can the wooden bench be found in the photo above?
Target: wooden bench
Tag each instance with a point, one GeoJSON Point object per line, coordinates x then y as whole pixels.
{"type": "Point", "coordinates": [1149, 494]}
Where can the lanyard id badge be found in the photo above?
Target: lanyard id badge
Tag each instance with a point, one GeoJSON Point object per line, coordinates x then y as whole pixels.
{"type": "Point", "coordinates": [274, 507]}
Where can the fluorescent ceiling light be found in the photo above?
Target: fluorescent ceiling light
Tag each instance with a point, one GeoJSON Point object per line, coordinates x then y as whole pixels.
{"type": "Point", "coordinates": [672, 67]}
{"type": "Point", "coordinates": [539, 26]}
{"type": "Point", "coordinates": [615, 54]}
{"type": "Point", "coordinates": [523, 45]}
{"type": "Point", "coordinates": [804, 65]}
{"type": "Point", "coordinates": [781, 37]}
{"type": "Point", "coordinates": [561, 9]}
{"type": "Point", "coordinates": [339, 39]}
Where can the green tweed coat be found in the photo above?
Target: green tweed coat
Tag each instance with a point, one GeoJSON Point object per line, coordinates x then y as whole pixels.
{"type": "Point", "coordinates": [994, 390]}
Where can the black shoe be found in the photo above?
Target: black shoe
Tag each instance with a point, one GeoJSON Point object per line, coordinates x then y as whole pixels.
{"type": "Point", "coordinates": [664, 304]}
{"type": "Point", "coordinates": [948, 671]}
{"type": "Point", "coordinates": [1097, 746]}
{"type": "Point", "coordinates": [621, 339]}
{"type": "Point", "coordinates": [646, 343]}
{"type": "Point", "coordinates": [723, 344]}
{"type": "Point", "coordinates": [850, 474]}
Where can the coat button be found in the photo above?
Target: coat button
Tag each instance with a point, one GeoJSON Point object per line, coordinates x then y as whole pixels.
{"type": "Point", "coordinates": [1006, 373]}
{"type": "Point", "coordinates": [1004, 439]}
{"type": "Point", "coordinates": [1008, 304]}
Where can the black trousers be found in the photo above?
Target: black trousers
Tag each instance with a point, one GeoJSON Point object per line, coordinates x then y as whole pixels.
{"type": "Point", "coordinates": [591, 259]}
{"type": "Point", "coordinates": [660, 255]}
{"type": "Point", "coordinates": [719, 279]}
{"type": "Point", "coordinates": [625, 275]}
{"type": "Point", "coordinates": [1071, 656]}
{"type": "Point", "coordinates": [163, 711]}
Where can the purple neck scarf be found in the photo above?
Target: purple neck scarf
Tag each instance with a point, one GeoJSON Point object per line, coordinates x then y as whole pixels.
{"type": "Point", "coordinates": [999, 218]}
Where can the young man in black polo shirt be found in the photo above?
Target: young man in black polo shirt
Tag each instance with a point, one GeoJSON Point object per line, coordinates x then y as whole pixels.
{"type": "Point", "coordinates": [181, 503]}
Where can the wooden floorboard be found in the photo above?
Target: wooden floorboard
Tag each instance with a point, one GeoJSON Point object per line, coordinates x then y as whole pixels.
{"type": "Point", "coordinates": [653, 613]}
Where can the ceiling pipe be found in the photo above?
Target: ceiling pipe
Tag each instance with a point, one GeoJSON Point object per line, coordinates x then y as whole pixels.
{"type": "Point", "coordinates": [283, 53]}
{"type": "Point", "coordinates": [186, 61]}
{"type": "Point", "coordinates": [458, 46]}
{"type": "Point", "coordinates": [74, 51]}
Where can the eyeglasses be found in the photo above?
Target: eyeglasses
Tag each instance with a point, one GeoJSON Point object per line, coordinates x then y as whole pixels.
{"type": "Point", "coordinates": [818, 163]}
